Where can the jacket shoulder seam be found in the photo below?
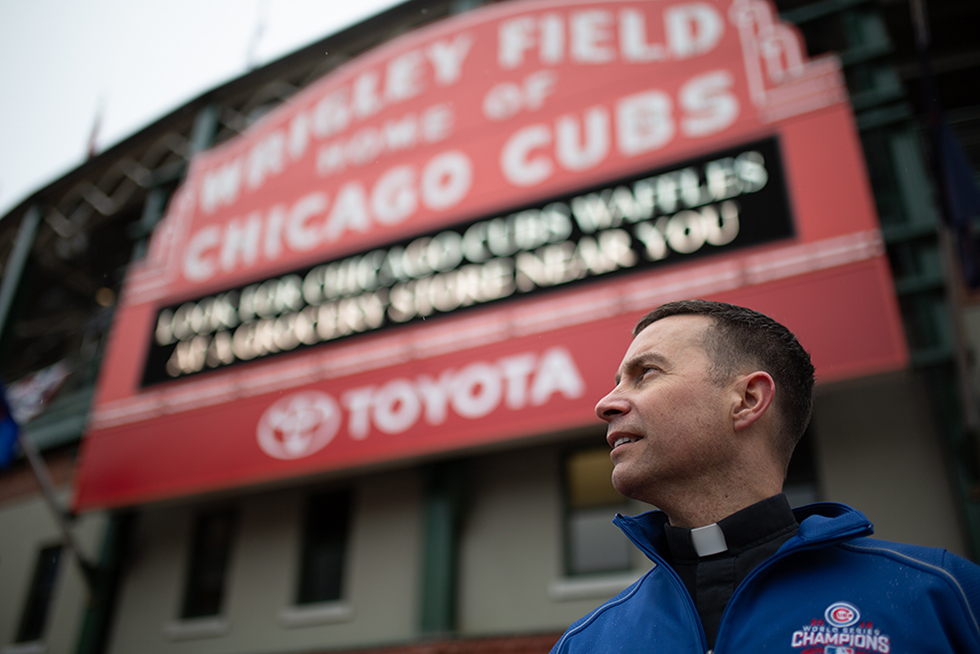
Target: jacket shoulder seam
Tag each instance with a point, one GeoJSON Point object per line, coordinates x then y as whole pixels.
{"type": "Point", "coordinates": [939, 571]}
{"type": "Point", "coordinates": [600, 610]}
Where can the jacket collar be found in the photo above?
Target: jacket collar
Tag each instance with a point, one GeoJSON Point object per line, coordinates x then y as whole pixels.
{"type": "Point", "coordinates": [820, 523]}
{"type": "Point", "coordinates": [830, 522]}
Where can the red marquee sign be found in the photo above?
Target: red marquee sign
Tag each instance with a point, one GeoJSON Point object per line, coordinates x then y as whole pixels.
{"type": "Point", "coordinates": [444, 243]}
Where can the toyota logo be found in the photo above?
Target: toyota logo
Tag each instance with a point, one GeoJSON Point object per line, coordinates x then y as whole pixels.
{"type": "Point", "coordinates": [299, 425]}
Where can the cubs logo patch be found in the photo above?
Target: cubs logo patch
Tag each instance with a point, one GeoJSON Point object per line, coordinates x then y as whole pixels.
{"type": "Point", "coordinates": [842, 614]}
{"type": "Point", "coordinates": [840, 630]}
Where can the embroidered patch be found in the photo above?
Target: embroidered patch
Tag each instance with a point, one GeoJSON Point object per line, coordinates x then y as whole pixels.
{"type": "Point", "coordinates": [840, 631]}
{"type": "Point", "coordinates": [842, 614]}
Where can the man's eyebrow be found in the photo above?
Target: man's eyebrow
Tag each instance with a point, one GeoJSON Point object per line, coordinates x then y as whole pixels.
{"type": "Point", "coordinates": [638, 361]}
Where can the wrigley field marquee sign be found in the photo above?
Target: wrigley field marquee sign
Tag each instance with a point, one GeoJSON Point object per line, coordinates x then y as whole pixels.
{"type": "Point", "coordinates": [444, 242]}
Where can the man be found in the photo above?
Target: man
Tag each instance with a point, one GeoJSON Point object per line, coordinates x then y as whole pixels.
{"type": "Point", "coordinates": [709, 402]}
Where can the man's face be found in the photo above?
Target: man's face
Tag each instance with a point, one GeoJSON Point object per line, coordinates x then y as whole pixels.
{"type": "Point", "coordinates": [668, 419]}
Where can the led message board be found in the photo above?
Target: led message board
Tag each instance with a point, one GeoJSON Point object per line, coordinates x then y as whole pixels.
{"type": "Point", "coordinates": [717, 203]}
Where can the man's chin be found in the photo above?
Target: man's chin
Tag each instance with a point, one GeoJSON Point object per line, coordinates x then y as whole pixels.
{"type": "Point", "coordinates": [626, 482]}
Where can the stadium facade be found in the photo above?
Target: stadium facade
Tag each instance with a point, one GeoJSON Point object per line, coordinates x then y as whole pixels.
{"type": "Point", "coordinates": [313, 359]}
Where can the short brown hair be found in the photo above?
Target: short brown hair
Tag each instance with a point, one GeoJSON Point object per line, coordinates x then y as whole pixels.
{"type": "Point", "coordinates": [743, 338]}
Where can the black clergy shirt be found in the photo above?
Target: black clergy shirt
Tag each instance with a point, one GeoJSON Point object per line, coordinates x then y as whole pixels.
{"type": "Point", "coordinates": [752, 535]}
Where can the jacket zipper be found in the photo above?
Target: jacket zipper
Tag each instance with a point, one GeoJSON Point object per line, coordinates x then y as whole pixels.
{"type": "Point", "coordinates": [681, 589]}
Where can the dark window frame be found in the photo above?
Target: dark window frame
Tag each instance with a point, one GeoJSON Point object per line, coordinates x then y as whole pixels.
{"type": "Point", "coordinates": [37, 607]}
{"type": "Point", "coordinates": [324, 547]}
{"type": "Point", "coordinates": [210, 553]}
{"type": "Point", "coordinates": [616, 504]}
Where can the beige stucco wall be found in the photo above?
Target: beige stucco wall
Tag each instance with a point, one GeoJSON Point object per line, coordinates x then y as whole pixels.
{"type": "Point", "coordinates": [510, 566]}
{"type": "Point", "coordinates": [511, 576]}
{"type": "Point", "coordinates": [879, 450]}
{"type": "Point", "coordinates": [26, 526]}
{"type": "Point", "coordinates": [381, 586]}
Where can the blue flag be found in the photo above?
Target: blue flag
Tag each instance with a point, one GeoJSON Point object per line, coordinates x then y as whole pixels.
{"type": "Point", "coordinates": [9, 431]}
{"type": "Point", "coordinates": [960, 198]}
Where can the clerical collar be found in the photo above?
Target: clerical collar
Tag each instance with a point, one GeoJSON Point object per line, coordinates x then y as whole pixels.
{"type": "Point", "coordinates": [708, 540]}
{"type": "Point", "coordinates": [741, 531]}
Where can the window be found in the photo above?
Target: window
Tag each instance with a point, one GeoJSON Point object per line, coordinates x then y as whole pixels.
{"type": "Point", "coordinates": [210, 551]}
{"type": "Point", "coordinates": [35, 616]}
{"type": "Point", "coordinates": [593, 544]}
{"type": "Point", "coordinates": [324, 545]}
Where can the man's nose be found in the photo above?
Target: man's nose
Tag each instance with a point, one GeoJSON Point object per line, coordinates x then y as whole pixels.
{"type": "Point", "coordinates": [610, 406]}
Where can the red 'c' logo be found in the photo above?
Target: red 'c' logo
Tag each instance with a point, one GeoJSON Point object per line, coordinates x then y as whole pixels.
{"type": "Point", "coordinates": [842, 614]}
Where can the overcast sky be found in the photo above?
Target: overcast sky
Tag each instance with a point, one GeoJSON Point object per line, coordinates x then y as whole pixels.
{"type": "Point", "coordinates": [60, 60]}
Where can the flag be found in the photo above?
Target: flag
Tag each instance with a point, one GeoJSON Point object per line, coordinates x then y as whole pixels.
{"type": "Point", "coordinates": [9, 431]}
{"type": "Point", "coordinates": [960, 198]}
{"type": "Point", "coordinates": [92, 147]}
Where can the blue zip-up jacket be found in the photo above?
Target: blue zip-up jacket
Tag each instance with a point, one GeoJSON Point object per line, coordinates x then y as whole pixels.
{"type": "Point", "coordinates": [828, 590]}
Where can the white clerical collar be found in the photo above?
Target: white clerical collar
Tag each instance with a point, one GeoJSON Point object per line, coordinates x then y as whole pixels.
{"type": "Point", "coordinates": [708, 540]}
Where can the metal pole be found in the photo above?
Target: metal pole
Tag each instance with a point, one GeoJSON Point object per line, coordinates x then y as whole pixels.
{"type": "Point", "coordinates": [11, 280]}
{"type": "Point", "coordinates": [920, 24]}
{"type": "Point", "coordinates": [17, 262]}
{"type": "Point", "coordinates": [60, 518]}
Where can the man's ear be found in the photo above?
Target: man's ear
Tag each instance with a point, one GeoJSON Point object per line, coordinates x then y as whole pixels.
{"type": "Point", "coordinates": [756, 391]}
